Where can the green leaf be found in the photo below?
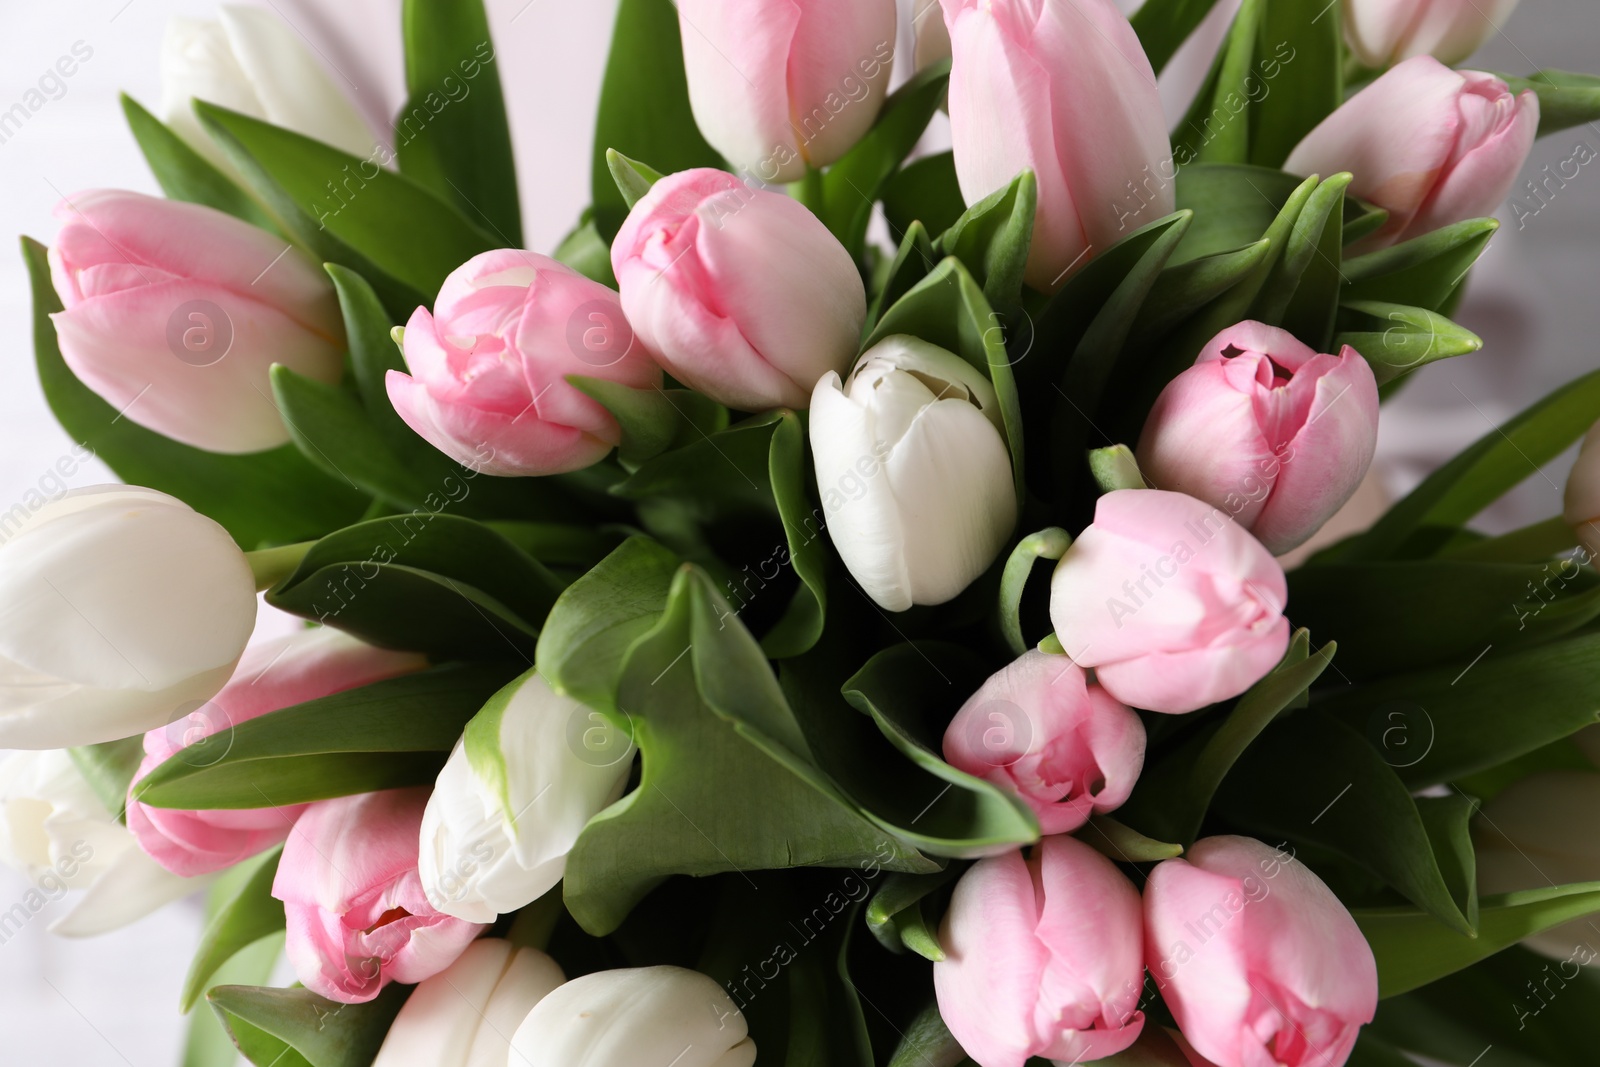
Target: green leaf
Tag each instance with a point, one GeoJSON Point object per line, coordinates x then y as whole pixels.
{"type": "Point", "coordinates": [1300, 44]}
{"type": "Point", "coordinates": [265, 498]}
{"type": "Point", "coordinates": [644, 106]}
{"type": "Point", "coordinates": [1217, 127]}
{"type": "Point", "coordinates": [1423, 272]}
{"type": "Point", "coordinates": [993, 237]}
{"type": "Point", "coordinates": [1115, 468]}
{"type": "Point", "coordinates": [801, 625]}
{"type": "Point", "coordinates": [912, 262]}
{"type": "Point", "coordinates": [245, 912]}
{"type": "Point", "coordinates": [109, 767]}
{"type": "Point", "coordinates": [898, 893]}
{"type": "Point", "coordinates": [185, 174]}
{"type": "Point", "coordinates": [1302, 295]}
{"type": "Point", "coordinates": [1396, 339]}
{"type": "Point", "coordinates": [461, 148]}
{"type": "Point", "coordinates": [924, 191]}
{"type": "Point", "coordinates": [927, 1042]}
{"type": "Point", "coordinates": [1234, 204]}
{"type": "Point", "coordinates": [1051, 544]}
{"type": "Point", "coordinates": [387, 735]}
{"type": "Point", "coordinates": [208, 1043]}
{"type": "Point", "coordinates": [320, 1032]}
{"type": "Point", "coordinates": [654, 421]}
{"type": "Point", "coordinates": [1163, 25]}
{"type": "Point", "coordinates": [633, 178]}
{"type": "Point", "coordinates": [1125, 844]}
{"type": "Point", "coordinates": [1184, 289]}
{"type": "Point", "coordinates": [586, 252]}
{"type": "Point", "coordinates": [1565, 99]}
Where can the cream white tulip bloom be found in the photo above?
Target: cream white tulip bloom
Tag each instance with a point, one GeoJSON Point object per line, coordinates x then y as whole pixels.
{"type": "Point", "coordinates": [1384, 32]}
{"type": "Point", "coordinates": [464, 1016]}
{"type": "Point", "coordinates": [1581, 506]}
{"type": "Point", "coordinates": [57, 832]}
{"type": "Point", "coordinates": [931, 35]}
{"type": "Point", "coordinates": [633, 1017]}
{"type": "Point", "coordinates": [250, 60]}
{"type": "Point", "coordinates": [914, 471]}
{"type": "Point", "coordinates": [121, 609]}
{"type": "Point", "coordinates": [530, 771]}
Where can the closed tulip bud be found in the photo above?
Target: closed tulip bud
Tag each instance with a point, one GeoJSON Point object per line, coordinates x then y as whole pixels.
{"type": "Point", "coordinates": [1170, 601]}
{"type": "Point", "coordinates": [464, 1016]}
{"type": "Point", "coordinates": [531, 770]}
{"type": "Point", "coordinates": [1042, 957]}
{"type": "Point", "coordinates": [357, 916]}
{"type": "Point", "coordinates": [1266, 429]}
{"type": "Point", "coordinates": [175, 313]}
{"type": "Point", "coordinates": [252, 61]}
{"type": "Point", "coordinates": [1430, 145]}
{"type": "Point", "coordinates": [1256, 958]}
{"type": "Point", "coordinates": [1062, 88]}
{"type": "Point", "coordinates": [488, 384]}
{"type": "Point", "coordinates": [1581, 507]}
{"type": "Point", "coordinates": [305, 665]}
{"type": "Point", "coordinates": [119, 607]}
{"type": "Point", "coordinates": [57, 832]}
{"type": "Point", "coordinates": [915, 474]}
{"type": "Point", "coordinates": [1040, 728]}
{"type": "Point", "coordinates": [636, 1016]}
{"type": "Point", "coordinates": [1383, 32]}
{"type": "Point", "coordinates": [778, 86]}
{"type": "Point", "coordinates": [932, 36]}
{"type": "Point", "coordinates": [742, 293]}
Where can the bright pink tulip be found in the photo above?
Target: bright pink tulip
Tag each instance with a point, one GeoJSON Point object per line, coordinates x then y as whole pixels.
{"type": "Point", "coordinates": [275, 674]}
{"type": "Point", "coordinates": [1383, 32]}
{"type": "Point", "coordinates": [1261, 426]}
{"type": "Point", "coordinates": [1171, 602]}
{"type": "Point", "coordinates": [781, 85]}
{"type": "Point", "coordinates": [743, 293]}
{"type": "Point", "coordinates": [488, 384]}
{"type": "Point", "coordinates": [1042, 957]}
{"type": "Point", "coordinates": [175, 312]}
{"type": "Point", "coordinates": [1259, 962]}
{"type": "Point", "coordinates": [358, 918]}
{"type": "Point", "coordinates": [1040, 728]}
{"type": "Point", "coordinates": [1061, 87]}
{"type": "Point", "coordinates": [1430, 145]}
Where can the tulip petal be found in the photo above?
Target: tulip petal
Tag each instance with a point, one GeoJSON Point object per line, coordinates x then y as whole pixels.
{"type": "Point", "coordinates": [838, 74]}
{"type": "Point", "coordinates": [133, 886]}
{"type": "Point", "coordinates": [736, 59]}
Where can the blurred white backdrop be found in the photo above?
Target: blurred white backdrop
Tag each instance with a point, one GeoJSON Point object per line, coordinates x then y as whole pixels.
{"type": "Point", "coordinates": [113, 1000]}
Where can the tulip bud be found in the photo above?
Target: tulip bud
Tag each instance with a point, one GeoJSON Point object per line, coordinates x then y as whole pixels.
{"type": "Point", "coordinates": [637, 1016]}
{"type": "Point", "coordinates": [175, 312]}
{"type": "Point", "coordinates": [932, 36]}
{"type": "Point", "coordinates": [1042, 957]}
{"type": "Point", "coordinates": [1261, 426]}
{"type": "Point", "coordinates": [1383, 32]}
{"type": "Point", "coordinates": [252, 61]}
{"type": "Point", "coordinates": [357, 916]}
{"type": "Point", "coordinates": [529, 773]}
{"type": "Point", "coordinates": [742, 293]}
{"type": "Point", "coordinates": [1430, 145]}
{"type": "Point", "coordinates": [1193, 605]}
{"type": "Point", "coordinates": [778, 86]}
{"type": "Point", "coordinates": [464, 1016]}
{"type": "Point", "coordinates": [1040, 728]}
{"type": "Point", "coordinates": [1062, 88]}
{"type": "Point", "coordinates": [1582, 501]}
{"type": "Point", "coordinates": [915, 474]}
{"type": "Point", "coordinates": [1256, 958]}
{"type": "Point", "coordinates": [488, 384]}
{"type": "Point", "coordinates": [119, 607]}
{"type": "Point", "coordinates": [305, 665]}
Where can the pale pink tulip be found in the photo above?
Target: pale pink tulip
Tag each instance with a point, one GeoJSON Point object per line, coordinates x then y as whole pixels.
{"type": "Point", "coordinates": [1042, 957]}
{"type": "Point", "coordinates": [1383, 32]}
{"type": "Point", "coordinates": [276, 674]}
{"type": "Point", "coordinates": [1172, 603]}
{"type": "Point", "coordinates": [1061, 87]}
{"type": "Point", "coordinates": [1257, 959]}
{"type": "Point", "coordinates": [1264, 428]}
{"type": "Point", "coordinates": [175, 312]}
{"type": "Point", "coordinates": [1430, 145]}
{"type": "Point", "coordinates": [742, 293]}
{"type": "Point", "coordinates": [357, 916]}
{"type": "Point", "coordinates": [488, 384]}
{"type": "Point", "coordinates": [1040, 728]}
{"type": "Point", "coordinates": [778, 86]}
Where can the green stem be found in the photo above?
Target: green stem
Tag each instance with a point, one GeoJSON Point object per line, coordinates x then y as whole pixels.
{"type": "Point", "coordinates": [809, 191]}
{"type": "Point", "coordinates": [273, 565]}
{"type": "Point", "coordinates": [535, 923]}
{"type": "Point", "coordinates": [1529, 544]}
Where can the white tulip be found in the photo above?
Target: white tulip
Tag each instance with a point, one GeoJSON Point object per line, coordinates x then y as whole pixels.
{"type": "Point", "coordinates": [914, 471]}
{"type": "Point", "coordinates": [121, 609]}
{"type": "Point", "coordinates": [1581, 505]}
{"type": "Point", "coordinates": [633, 1018]}
{"type": "Point", "coordinates": [464, 1016]}
{"type": "Point", "coordinates": [530, 771]}
{"type": "Point", "coordinates": [56, 831]}
{"type": "Point", "coordinates": [250, 60]}
{"type": "Point", "coordinates": [1384, 32]}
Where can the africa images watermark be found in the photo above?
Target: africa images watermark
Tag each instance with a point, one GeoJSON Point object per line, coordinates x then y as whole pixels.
{"type": "Point", "coordinates": [48, 888]}
{"type": "Point", "coordinates": [49, 86]}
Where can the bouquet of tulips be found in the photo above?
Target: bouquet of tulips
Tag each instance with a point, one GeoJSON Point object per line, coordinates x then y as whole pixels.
{"type": "Point", "coordinates": [849, 604]}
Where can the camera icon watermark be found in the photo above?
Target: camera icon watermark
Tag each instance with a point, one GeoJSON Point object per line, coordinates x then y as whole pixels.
{"type": "Point", "coordinates": [200, 333]}
{"type": "Point", "coordinates": [598, 333]}
{"type": "Point", "coordinates": [999, 733]}
{"type": "Point", "coordinates": [1402, 732]}
{"type": "Point", "coordinates": [201, 735]}
{"type": "Point", "coordinates": [598, 741]}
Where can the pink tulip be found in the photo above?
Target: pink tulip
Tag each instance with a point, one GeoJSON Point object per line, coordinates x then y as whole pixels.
{"type": "Point", "coordinates": [1170, 601]}
{"type": "Point", "coordinates": [1257, 959]}
{"type": "Point", "coordinates": [1261, 426]}
{"type": "Point", "coordinates": [1040, 728]}
{"type": "Point", "coordinates": [175, 312]}
{"type": "Point", "coordinates": [488, 384]}
{"type": "Point", "coordinates": [1061, 87]}
{"type": "Point", "coordinates": [358, 918]}
{"type": "Point", "coordinates": [1383, 32]}
{"type": "Point", "coordinates": [778, 86]}
{"type": "Point", "coordinates": [743, 293]}
{"type": "Point", "coordinates": [1042, 957]}
{"type": "Point", "coordinates": [1430, 145]}
{"type": "Point", "coordinates": [275, 674]}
